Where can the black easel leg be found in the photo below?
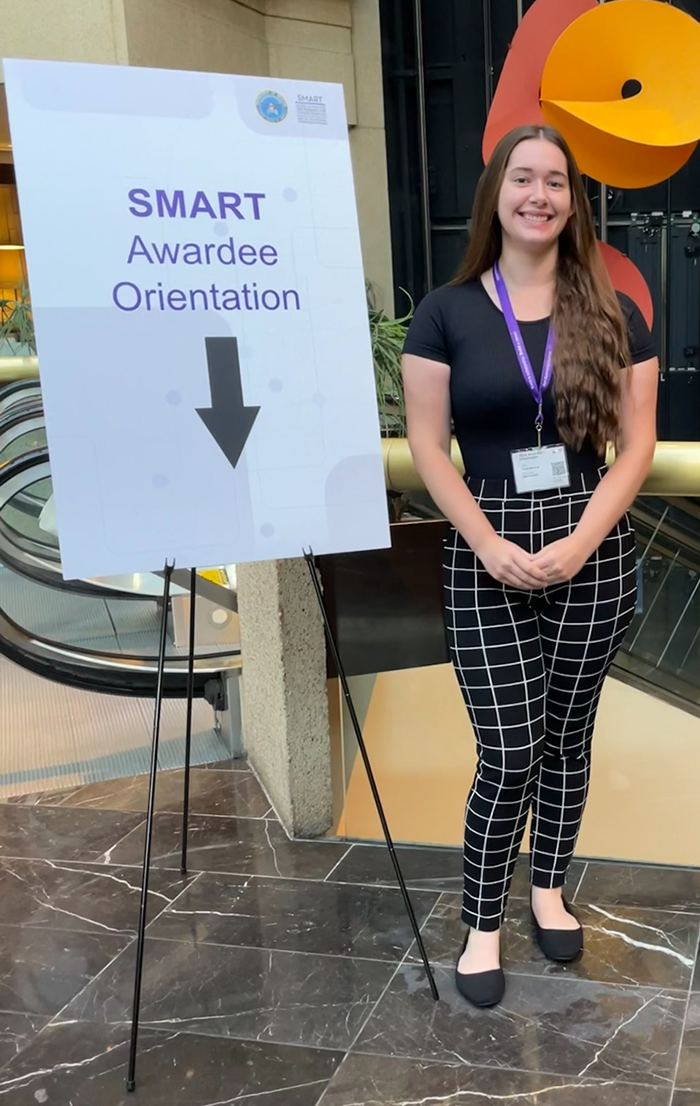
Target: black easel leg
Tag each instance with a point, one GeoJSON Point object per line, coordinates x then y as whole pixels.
{"type": "Point", "coordinates": [308, 557]}
{"type": "Point", "coordinates": [131, 1077]}
{"type": "Point", "coordinates": [188, 730]}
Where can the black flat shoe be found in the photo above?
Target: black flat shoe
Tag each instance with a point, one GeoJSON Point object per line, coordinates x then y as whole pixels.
{"type": "Point", "coordinates": [564, 946]}
{"type": "Point", "coordinates": [481, 989]}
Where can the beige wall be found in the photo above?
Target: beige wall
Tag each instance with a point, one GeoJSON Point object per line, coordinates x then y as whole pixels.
{"type": "Point", "coordinates": [302, 48]}
{"type": "Point", "coordinates": [211, 36]}
{"type": "Point", "coordinates": [64, 30]}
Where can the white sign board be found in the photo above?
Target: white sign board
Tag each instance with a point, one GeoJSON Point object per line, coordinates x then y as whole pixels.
{"type": "Point", "coordinates": [197, 284]}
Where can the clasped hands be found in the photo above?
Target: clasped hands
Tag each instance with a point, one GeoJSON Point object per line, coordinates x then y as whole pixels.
{"type": "Point", "coordinates": [554, 564]}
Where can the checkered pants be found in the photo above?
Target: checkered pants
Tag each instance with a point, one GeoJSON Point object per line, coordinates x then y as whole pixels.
{"type": "Point", "coordinates": [531, 666]}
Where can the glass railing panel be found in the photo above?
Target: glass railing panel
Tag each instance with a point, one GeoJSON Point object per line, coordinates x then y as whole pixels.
{"type": "Point", "coordinates": [680, 517]}
{"type": "Point", "coordinates": [664, 630]}
{"type": "Point", "coordinates": [681, 654]}
{"type": "Point", "coordinates": [662, 646]}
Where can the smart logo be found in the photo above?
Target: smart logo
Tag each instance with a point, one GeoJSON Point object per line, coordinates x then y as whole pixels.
{"type": "Point", "coordinates": [272, 107]}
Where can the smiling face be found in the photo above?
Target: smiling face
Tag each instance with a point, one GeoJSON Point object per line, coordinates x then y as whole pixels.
{"type": "Point", "coordinates": [534, 204]}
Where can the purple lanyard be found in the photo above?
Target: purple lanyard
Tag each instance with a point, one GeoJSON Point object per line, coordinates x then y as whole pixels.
{"type": "Point", "coordinates": [537, 390]}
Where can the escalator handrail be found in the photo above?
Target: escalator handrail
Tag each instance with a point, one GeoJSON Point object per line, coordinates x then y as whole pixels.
{"type": "Point", "coordinates": [119, 660]}
{"type": "Point", "coordinates": [30, 387]}
{"type": "Point", "coordinates": [18, 413]}
{"type": "Point", "coordinates": [115, 674]}
{"type": "Point", "coordinates": [18, 386]}
{"type": "Point", "coordinates": [9, 469]}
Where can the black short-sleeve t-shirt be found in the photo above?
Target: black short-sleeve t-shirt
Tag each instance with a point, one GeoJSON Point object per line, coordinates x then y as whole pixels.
{"type": "Point", "coordinates": [492, 408]}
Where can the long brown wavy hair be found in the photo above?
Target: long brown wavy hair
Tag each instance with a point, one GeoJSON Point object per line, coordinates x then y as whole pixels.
{"type": "Point", "coordinates": [591, 336]}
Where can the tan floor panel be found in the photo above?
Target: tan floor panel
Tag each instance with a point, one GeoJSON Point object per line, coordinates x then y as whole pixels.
{"type": "Point", "coordinates": [645, 791]}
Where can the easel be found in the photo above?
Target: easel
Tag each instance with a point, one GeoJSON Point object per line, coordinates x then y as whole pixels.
{"type": "Point", "coordinates": [143, 910]}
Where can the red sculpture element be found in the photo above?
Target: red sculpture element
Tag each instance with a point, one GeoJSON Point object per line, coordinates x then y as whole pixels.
{"type": "Point", "coordinates": [517, 98]}
{"type": "Point", "coordinates": [627, 278]}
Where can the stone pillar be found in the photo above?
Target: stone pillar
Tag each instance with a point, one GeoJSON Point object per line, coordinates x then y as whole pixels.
{"type": "Point", "coordinates": [284, 703]}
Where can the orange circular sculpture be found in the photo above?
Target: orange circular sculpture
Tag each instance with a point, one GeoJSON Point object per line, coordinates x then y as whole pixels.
{"type": "Point", "coordinates": [636, 140]}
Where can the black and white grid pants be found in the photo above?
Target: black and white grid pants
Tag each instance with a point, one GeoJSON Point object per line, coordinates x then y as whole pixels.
{"type": "Point", "coordinates": [531, 666]}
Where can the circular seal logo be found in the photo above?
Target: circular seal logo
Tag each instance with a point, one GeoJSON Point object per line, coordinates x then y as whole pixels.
{"type": "Point", "coordinates": [272, 106]}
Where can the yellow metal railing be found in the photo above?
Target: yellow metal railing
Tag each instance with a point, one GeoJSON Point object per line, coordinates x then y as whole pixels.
{"type": "Point", "coordinates": [675, 471]}
{"type": "Point", "coordinates": [18, 368]}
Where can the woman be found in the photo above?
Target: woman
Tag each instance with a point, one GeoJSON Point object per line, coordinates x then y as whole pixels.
{"type": "Point", "coordinates": [538, 363]}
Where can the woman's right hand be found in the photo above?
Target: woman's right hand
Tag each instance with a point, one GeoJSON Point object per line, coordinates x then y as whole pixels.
{"type": "Point", "coordinates": [509, 564]}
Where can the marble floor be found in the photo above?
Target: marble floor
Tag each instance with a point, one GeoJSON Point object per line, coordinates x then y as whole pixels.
{"type": "Point", "coordinates": [283, 973]}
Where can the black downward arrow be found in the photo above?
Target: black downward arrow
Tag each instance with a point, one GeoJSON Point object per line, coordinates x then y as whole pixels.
{"type": "Point", "coordinates": [228, 420]}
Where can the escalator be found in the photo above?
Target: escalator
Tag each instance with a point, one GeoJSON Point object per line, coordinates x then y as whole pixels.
{"type": "Point", "coordinates": [97, 635]}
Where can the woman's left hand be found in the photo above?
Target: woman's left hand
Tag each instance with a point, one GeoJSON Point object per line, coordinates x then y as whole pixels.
{"type": "Point", "coordinates": [561, 560]}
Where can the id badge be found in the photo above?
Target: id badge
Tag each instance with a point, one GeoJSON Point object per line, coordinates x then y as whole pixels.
{"type": "Point", "coordinates": [541, 469]}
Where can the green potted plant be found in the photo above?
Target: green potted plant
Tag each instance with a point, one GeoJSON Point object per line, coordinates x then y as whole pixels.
{"type": "Point", "coordinates": [17, 338]}
{"type": "Point", "coordinates": [388, 336]}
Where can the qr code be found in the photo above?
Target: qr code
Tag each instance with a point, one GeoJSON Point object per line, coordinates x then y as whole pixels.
{"type": "Point", "coordinates": [558, 468]}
